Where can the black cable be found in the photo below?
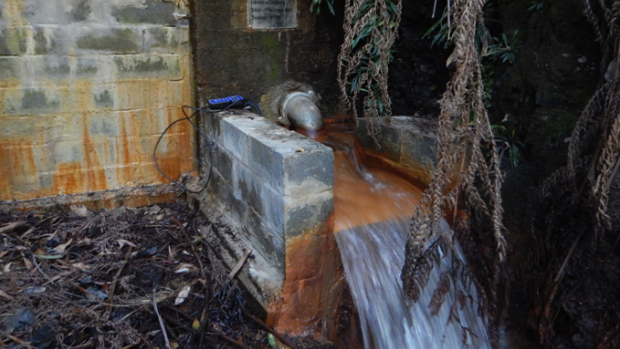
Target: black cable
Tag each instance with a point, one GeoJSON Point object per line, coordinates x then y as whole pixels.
{"type": "Point", "coordinates": [210, 144]}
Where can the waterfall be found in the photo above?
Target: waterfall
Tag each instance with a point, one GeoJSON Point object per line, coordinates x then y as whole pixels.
{"type": "Point", "coordinates": [373, 209]}
{"type": "Point", "coordinates": [373, 256]}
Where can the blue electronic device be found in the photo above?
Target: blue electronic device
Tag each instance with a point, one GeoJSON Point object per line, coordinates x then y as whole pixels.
{"type": "Point", "coordinates": [221, 103]}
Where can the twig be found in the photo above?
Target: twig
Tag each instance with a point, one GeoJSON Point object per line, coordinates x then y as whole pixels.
{"type": "Point", "coordinates": [161, 321]}
{"type": "Point", "coordinates": [34, 260]}
{"type": "Point", "coordinates": [114, 281]}
{"type": "Point", "coordinates": [268, 329]}
{"type": "Point", "coordinates": [20, 342]}
{"type": "Point", "coordinates": [239, 264]}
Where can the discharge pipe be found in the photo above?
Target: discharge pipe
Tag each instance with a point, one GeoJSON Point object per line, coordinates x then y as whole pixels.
{"type": "Point", "coordinates": [300, 109]}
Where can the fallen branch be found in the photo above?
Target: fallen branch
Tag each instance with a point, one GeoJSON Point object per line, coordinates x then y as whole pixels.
{"type": "Point", "coordinates": [161, 322]}
{"type": "Point", "coordinates": [239, 264]}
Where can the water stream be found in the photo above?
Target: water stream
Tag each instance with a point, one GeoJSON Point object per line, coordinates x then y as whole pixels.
{"type": "Point", "coordinates": [373, 209]}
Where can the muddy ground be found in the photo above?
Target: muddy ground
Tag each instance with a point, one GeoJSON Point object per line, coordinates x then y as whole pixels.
{"type": "Point", "coordinates": [116, 279]}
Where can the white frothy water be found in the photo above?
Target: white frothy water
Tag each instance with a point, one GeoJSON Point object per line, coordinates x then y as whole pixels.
{"type": "Point", "coordinates": [372, 245]}
{"type": "Point", "coordinates": [373, 257]}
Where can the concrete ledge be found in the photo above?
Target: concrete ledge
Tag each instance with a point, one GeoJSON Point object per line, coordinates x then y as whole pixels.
{"type": "Point", "coordinates": [409, 143]}
{"type": "Point", "coordinates": [107, 199]}
{"type": "Point", "coordinates": [273, 185]}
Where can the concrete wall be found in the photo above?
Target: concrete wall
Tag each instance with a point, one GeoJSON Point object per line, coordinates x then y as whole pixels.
{"type": "Point", "coordinates": [408, 144]}
{"type": "Point", "coordinates": [232, 58]}
{"type": "Point", "coordinates": [86, 87]}
{"type": "Point", "coordinates": [275, 185]}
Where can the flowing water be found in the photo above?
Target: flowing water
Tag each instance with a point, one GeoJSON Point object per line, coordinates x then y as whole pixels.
{"type": "Point", "coordinates": [373, 209]}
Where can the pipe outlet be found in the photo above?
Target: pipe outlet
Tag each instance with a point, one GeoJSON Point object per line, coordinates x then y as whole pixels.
{"type": "Point", "coordinates": [300, 109]}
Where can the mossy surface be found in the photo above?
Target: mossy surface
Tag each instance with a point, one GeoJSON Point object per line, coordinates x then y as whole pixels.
{"type": "Point", "coordinates": [37, 100]}
{"type": "Point", "coordinates": [119, 40]}
{"type": "Point", "coordinates": [156, 12]}
{"type": "Point", "coordinates": [103, 100]}
{"type": "Point", "coordinates": [13, 41]}
{"type": "Point", "coordinates": [145, 66]}
{"type": "Point", "coordinates": [81, 11]}
{"type": "Point", "coordinates": [7, 68]}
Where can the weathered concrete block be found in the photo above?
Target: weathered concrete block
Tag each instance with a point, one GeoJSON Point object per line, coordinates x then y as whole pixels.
{"type": "Point", "coordinates": [104, 125]}
{"type": "Point", "coordinates": [419, 149]}
{"type": "Point", "coordinates": [103, 98]}
{"type": "Point", "coordinates": [87, 66]}
{"type": "Point", "coordinates": [264, 239]}
{"type": "Point", "coordinates": [411, 144]}
{"type": "Point", "coordinates": [54, 67]}
{"type": "Point", "coordinates": [166, 39]}
{"type": "Point", "coordinates": [32, 101]}
{"type": "Point", "coordinates": [150, 11]}
{"type": "Point", "coordinates": [19, 127]}
{"type": "Point", "coordinates": [236, 130]}
{"type": "Point", "coordinates": [311, 170]}
{"type": "Point", "coordinates": [14, 40]}
{"type": "Point", "coordinates": [155, 67]}
{"type": "Point", "coordinates": [113, 40]}
{"type": "Point", "coordinates": [303, 215]}
{"type": "Point", "coordinates": [40, 12]}
{"type": "Point", "coordinates": [388, 139]}
{"type": "Point", "coordinates": [277, 182]}
{"type": "Point", "coordinates": [62, 60]}
{"type": "Point", "coordinates": [222, 161]}
{"type": "Point", "coordinates": [9, 68]}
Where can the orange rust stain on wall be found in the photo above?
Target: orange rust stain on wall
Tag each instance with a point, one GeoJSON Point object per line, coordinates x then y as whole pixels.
{"type": "Point", "coordinates": [315, 291]}
{"type": "Point", "coordinates": [6, 170]}
{"type": "Point", "coordinates": [123, 146]}
{"type": "Point", "coordinates": [68, 178]}
{"type": "Point", "coordinates": [17, 167]}
{"type": "Point", "coordinates": [173, 161]}
{"type": "Point", "coordinates": [95, 173]}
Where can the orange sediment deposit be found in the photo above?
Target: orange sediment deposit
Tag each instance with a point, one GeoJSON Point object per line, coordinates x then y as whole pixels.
{"type": "Point", "coordinates": [366, 195]}
{"type": "Point", "coordinates": [315, 299]}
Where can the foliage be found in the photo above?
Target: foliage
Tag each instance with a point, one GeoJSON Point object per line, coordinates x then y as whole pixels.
{"type": "Point", "coordinates": [569, 224]}
{"type": "Point", "coordinates": [503, 48]}
{"type": "Point", "coordinates": [316, 4]}
{"type": "Point", "coordinates": [462, 168]}
{"type": "Point", "coordinates": [536, 5]}
{"type": "Point", "coordinates": [507, 145]}
{"type": "Point", "coordinates": [370, 27]}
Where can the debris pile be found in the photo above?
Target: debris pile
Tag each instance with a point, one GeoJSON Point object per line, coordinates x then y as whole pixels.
{"type": "Point", "coordinates": [117, 279]}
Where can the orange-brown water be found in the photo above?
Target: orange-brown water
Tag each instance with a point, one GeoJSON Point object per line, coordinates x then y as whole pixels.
{"type": "Point", "coordinates": [364, 195]}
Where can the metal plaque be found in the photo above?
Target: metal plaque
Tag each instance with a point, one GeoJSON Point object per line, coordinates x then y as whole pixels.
{"type": "Point", "coordinates": [272, 14]}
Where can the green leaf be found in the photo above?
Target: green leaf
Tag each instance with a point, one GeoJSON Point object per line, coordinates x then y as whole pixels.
{"type": "Point", "coordinates": [331, 7]}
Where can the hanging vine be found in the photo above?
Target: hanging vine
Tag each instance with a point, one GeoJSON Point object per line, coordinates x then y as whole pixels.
{"type": "Point", "coordinates": [370, 28]}
{"type": "Point", "coordinates": [464, 134]}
